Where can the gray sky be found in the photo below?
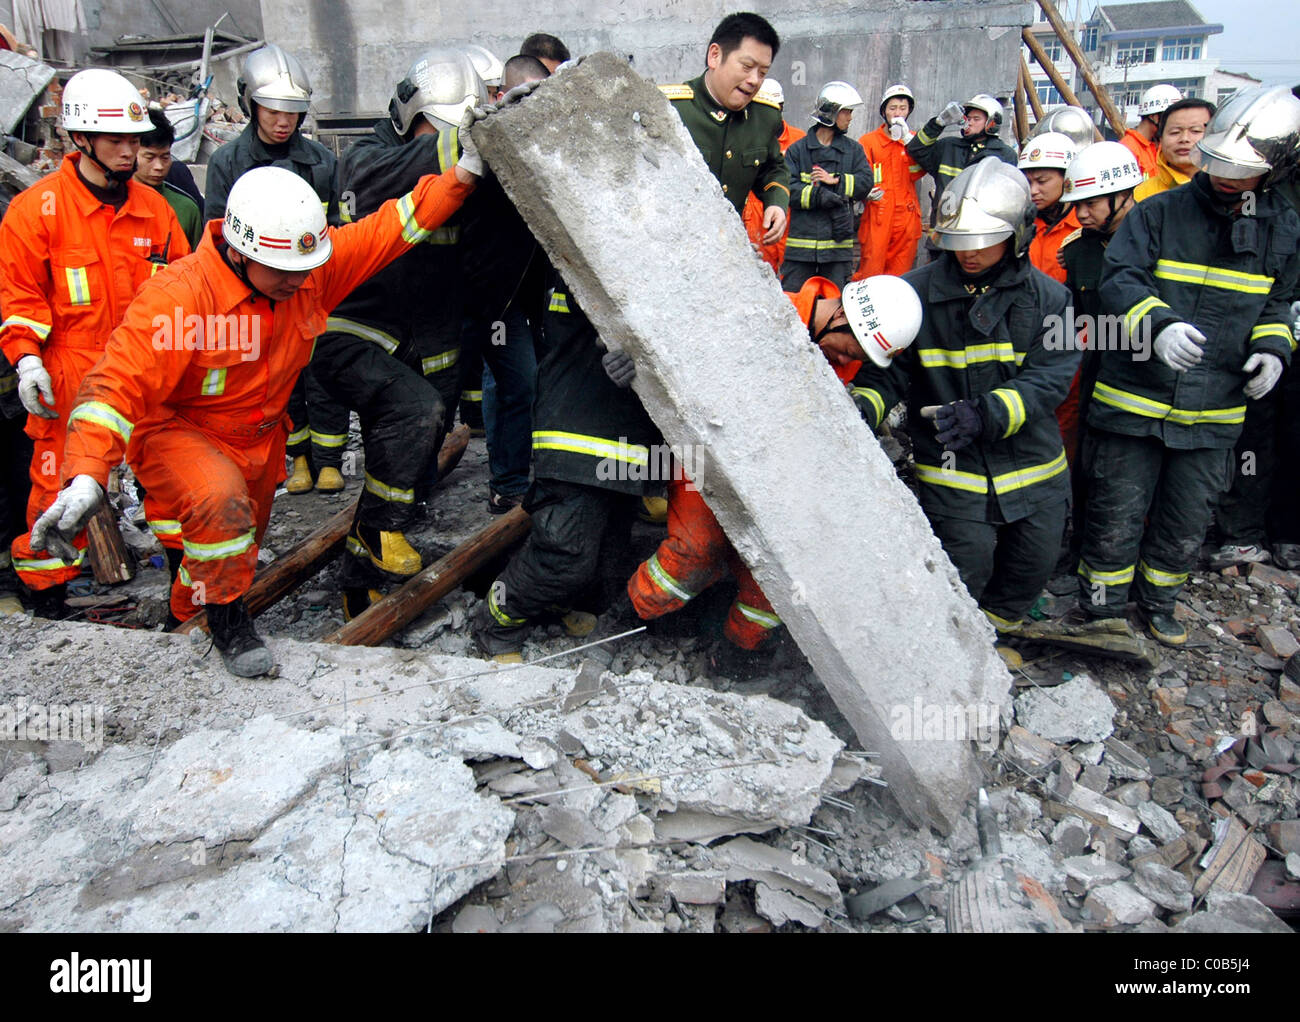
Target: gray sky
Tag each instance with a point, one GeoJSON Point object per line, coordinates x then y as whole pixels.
{"type": "Point", "coordinates": [1260, 37]}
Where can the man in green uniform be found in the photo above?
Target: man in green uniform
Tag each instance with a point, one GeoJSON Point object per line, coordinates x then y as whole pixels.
{"type": "Point", "coordinates": [735, 130]}
{"type": "Point", "coordinates": [151, 167]}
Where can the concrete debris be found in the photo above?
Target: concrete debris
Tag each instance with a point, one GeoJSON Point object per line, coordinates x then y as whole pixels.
{"type": "Point", "coordinates": [1232, 861]}
{"type": "Point", "coordinates": [695, 887]}
{"type": "Point", "coordinates": [475, 919]}
{"type": "Point", "coordinates": [1088, 871]}
{"type": "Point", "coordinates": [634, 286]}
{"type": "Point", "coordinates": [1030, 751]}
{"type": "Point", "coordinates": [1118, 904]}
{"type": "Point", "coordinates": [1232, 913]}
{"type": "Point", "coordinates": [781, 871]}
{"type": "Point", "coordinates": [1075, 711]}
{"type": "Point", "coordinates": [1108, 811]}
{"type": "Point", "coordinates": [1277, 641]}
{"type": "Point", "coordinates": [1159, 822]}
{"type": "Point", "coordinates": [891, 892]}
{"type": "Point", "coordinates": [781, 907]}
{"type": "Point", "coordinates": [1166, 887]}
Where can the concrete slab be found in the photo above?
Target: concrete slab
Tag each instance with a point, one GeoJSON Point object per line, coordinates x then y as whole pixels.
{"type": "Point", "coordinates": [659, 261]}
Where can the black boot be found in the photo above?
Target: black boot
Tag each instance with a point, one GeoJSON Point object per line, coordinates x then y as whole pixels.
{"type": "Point", "coordinates": [241, 649]}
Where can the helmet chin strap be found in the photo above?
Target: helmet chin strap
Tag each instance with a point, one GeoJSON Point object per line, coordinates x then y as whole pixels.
{"type": "Point", "coordinates": [117, 177]}
{"type": "Point", "coordinates": [241, 271]}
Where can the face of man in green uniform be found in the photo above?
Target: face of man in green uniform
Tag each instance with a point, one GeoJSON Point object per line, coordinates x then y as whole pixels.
{"type": "Point", "coordinates": [733, 80]}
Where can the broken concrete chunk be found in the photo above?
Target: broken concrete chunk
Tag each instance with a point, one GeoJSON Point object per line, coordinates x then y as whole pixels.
{"type": "Point", "coordinates": [780, 907]}
{"type": "Point", "coordinates": [746, 859]}
{"type": "Point", "coordinates": [1246, 910]}
{"type": "Point", "coordinates": [570, 827]}
{"type": "Point", "coordinates": [695, 887]}
{"type": "Point", "coordinates": [1030, 751]}
{"type": "Point", "coordinates": [1166, 887]}
{"type": "Point", "coordinates": [783, 496]}
{"type": "Point", "coordinates": [868, 903]}
{"type": "Point", "coordinates": [1121, 817]}
{"type": "Point", "coordinates": [538, 753]}
{"type": "Point", "coordinates": [1277, 641]}
{"type": "Point", "coordinates": [1159, 822]}
{"type": "Point", "coordinates": [1075, 711]}
{"type": "Point", "coordinates": [1119, 904]}
{"type": "Point", "coordinates": [475, 919]}
{"type": "Point", "coordinates": [1126, 762]}
{"type": "Point", "coordinates": [1070, 836]}
{"type": "Point", "coordinates": [1087, 871]}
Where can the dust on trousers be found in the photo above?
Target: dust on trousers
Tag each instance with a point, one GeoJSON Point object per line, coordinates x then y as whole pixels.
{"type": "Point", "coordinates": [1133, 479]}
{"type": "Point", "coordinates": [319, 423]}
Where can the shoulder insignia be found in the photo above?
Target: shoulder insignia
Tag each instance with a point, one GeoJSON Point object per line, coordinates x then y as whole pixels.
{"type": "Point", "coordinates": [1074, 235]}
{"type": "Point", "coordinates": [677, 91]}
{"type": "Point", "coordinates": [766, 101]}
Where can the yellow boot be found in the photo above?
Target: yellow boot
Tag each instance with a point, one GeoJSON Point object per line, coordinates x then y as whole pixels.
{"type": "Point", "coordinates": [329, 480]}
{"type": "Point", "coordinates": [299, 480]}
{"type": "Point", "coordinates": [654, 510]}
{"type": "Point", "coordinates": [389, 551]}
{"type": "Point", "coordinates": [10, 604]}
{"type": "Point", "coordinates": [357, 601]}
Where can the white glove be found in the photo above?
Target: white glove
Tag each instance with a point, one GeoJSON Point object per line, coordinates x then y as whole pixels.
{"type": "Point", "coordinates": [1270, 371]}
{"type": "Point", "coordinates": [1179, 346]}
{"type": "Point", "coordinates": [34, 380]}
{"type": "Point", "coordinates": [952, 114]}
{"type": "Point", "coordinates": [470, 161]}
{"type": "Point", "coordinates": [1295, 314]}
{"type": "Point", "coordinates": [898, 129]}
{"type": "Point", "coordinates": [66, 517]}
{"type": "Point", "coordinates": [876, 194]}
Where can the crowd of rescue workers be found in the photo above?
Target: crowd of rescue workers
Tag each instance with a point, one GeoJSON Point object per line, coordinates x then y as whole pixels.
{"type": "Point", "coordinates": [1091, 343]}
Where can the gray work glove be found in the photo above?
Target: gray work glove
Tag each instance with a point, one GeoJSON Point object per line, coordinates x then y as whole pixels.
{"type": "Point", "coordinates": [1270, 371]}
{"type": "Point", "coordinates": [1179, 346]}
{"type": "Point", "coordinates": [66, 517]}
{"type": "Point", "coordinates": [953, 113]}
{"type": "Point", "coordinates": [34, 384]}
{"type": "Point", "coordinates": [620, 368]}
{"type": "Point", "coordinates": [898, 129]}
{"type": "Point", "coordinates": [1295, 314]}
{"type": "Point", "coordinates": [470, 161]}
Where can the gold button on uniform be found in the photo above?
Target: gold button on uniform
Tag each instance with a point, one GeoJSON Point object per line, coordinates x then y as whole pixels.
{"type": "Point", "coordinates": [728, 154]}
{"type": "Point", "coordinates": [724, 189]}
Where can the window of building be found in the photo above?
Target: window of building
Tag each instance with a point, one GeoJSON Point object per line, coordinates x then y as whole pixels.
{"type": "Point", "coordinates": [1052, 47]}
{"type": "Point", "coordinates": [1088, 38]}
{"type": "Point", "coordinates": [1135, 51]}
{"type": "Point", "coordinates": [1048, 94]}
{"type": "Point", "coordinates": [1182, 48]}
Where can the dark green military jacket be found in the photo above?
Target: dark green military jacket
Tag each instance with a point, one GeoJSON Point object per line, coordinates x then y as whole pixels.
{"type": "Point", "coordinates": [741, 149]}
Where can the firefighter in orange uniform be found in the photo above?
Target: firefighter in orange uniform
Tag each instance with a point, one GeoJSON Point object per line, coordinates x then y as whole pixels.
{"type": "Point", "coordinates": [73, 250]}
{"type": "Point", "coordinates": [1043, 160]}
{"type": "Point", "coordinates": [774, 253]}
{"type": "Point", "coordinates": [1144, 140]}
{"type": "Point", "coordinates": [195, 382]}
{"type": "Point", "coordinates": [891, 225]}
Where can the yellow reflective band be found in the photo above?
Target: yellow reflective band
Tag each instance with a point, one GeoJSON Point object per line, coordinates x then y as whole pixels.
{"type": "Point", "coordinates": [936, 476]}
{"type": "Point", "coordinates": [339, 325]}
{"type": "Point", "coordinates": [948, 171]}
{"type": "Point", "coordinates": [386, 492]}
{"type": "Point", "coordinates": [559, 302]}
{"type": "Point", "coordinates": [298, 436]}
{"type": "Point", "coordinates": [1145, 406]}
{"type": "Point", "coordinates": [214, 383]}
{"type": "Point", "coordinates": [102, 415]}
{"type": "Point", "coordinates": [502, 618]}
{"type": "Point", "coordinates": [8, 382]}
{"type": "Point", "coordinates": [665, 581]}
{"type": "Point", "coordinates": [848, 186]}
{"type": "Point", "coordinates": [914, 168]}
{"type": "Point", "coordinates": [222, 549]}
{"type": "Point", "coordinates": [1001, 623]}
{"type": "Point", "coordinates": [925, 137]}
{"type": "Point", "coordinates": [447, 145]}
{"type": "Point", "coordinates": [41, 330]}
{"type": "Point", "coordinates": [443, 236]}
{"type": "Point", "coordinates": [805, 177]}
{"type": "Point", "coordinates": [1213, 276]}
{"type": "Point", "coordinates": [1214, 416]}
{"type": "Point", "coordinates": [48, 563]}
{"type": "Point", "coordinates": [942, 358]}
{"type": "Point", "coordinates": [805, 196]}
{"type": "Point", "coordinates": [877, 402]}
{"type": "Point", "coordinates": [165, 527]}
{"type": "Point", "coordinates": [759, 617]}
{"type": "Point", "coordinates": [1161, 578]}
{"type": "Point", "coordinates": [437, 363]}
{"type": "Point", "coordinates": [1139, 310]}
{"type": "Point", "coordinates": [78, 285]}
{"type": "Point", "coordinates": [819, 246]}
{"type": "Point", "coordinates": [1108, 578]}
{"type": "Point", "coordinates": [1015, 408]}
{"type": "Point", "coordinates": [597, 447]}
{"type": "Point", "coordinates": [1022, 477]}
{"type": "Point", "coordinates": [1273, 330]}
{"type": "Point", "coordinates": [184, 576]}
{"type": "Point", "coordinates": [471, 395]}
{"type": "Point", "coordinates": [877, 172]}
{"type": "Point", "coordinates": [412, 232]}
{"type": "Point", "coordinates": [328, 439]}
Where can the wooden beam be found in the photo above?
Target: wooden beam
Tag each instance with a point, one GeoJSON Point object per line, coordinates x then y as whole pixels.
{"type": "Point", "coordinates": [1018, 105]}
{"type": "Point", "coordinates": [402, 606]}
{"type": "Point", "coordinates": [1108, 107]}
{"type": "Point", "coordinates": [1031, 93]}
{"type": "Point", "coordinates": [109, 557]}
{"type": "Point", "coordinates": [1046, 63]}
{"type": "Point", "coordinates": [302, 562]}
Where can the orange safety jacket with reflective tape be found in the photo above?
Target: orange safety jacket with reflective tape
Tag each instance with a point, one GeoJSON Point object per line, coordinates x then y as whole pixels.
{"type": "Point", "coordinates": [197, 345]}
{"type": "Point", "coordinates": [894, 170]}
{"type": "Point", "coordinates": [1047, 241]}
{"type": "Point", "coordinates": [70, 264]}
{"type": "Point", "coordinates": [1144, 151]}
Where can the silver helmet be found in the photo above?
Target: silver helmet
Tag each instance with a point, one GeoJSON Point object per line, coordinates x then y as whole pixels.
{"type": "Point", "coordinates": [442, 84]}
{"type": "Point", "coordinates": [991, 108]}
{"type": "Point", "coordinates": [834, 97]}
{"type": "Point", "coordinates": [986, 203]}
{"type": "Point", "coordinates": [487, 64]}
{"type": "Point", "coordinates": [1257, 131]}
{"type": "Point", "coordinates": [274, 79]}
{"type": "Point", "coordinates": [1071, 121]}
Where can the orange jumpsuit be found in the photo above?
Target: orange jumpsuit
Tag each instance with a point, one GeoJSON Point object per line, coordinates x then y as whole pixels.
{"type": "Point", "coordinates": [195, 383]}
{"type": "Point", "coordinates": [753, 215]}
{"type": "Point", "coordinates": [891, 226]}
{"type": "Point", "coordinates": [69, 266]}
{"type": "Point", "coordinates": [696, 552]}
{"type": "Point", "coordinates": [1047, 242]}
{"type": "Point", "coordinates": [1145, 151]}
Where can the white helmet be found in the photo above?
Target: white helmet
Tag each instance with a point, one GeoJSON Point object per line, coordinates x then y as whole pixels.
{"type": "Point", "coordinates": [1102, 168]}
{"type": "Point", "coordinates": [487, 65]}
{"type": "Point", "coordinates": [990, 106]}
{"type": "Point", "coordinates": [834, 97]}
{"type": "Point", "coordinates": [884, 314]}
{"type": "Point", "coordinates": [274, 79]}
{"type": "Point", "coordinates": [897, 91]}
{"type": "Point", "coordinates": [275, 218]}
{"type": "Point", "coordinates": [771, 91]}
{"type": "Point", "coordinates": [1049, 151]}
{"type": "Point", "coordinates": [104, 101]}
{"type": "Point", "coordinates": [1071, 121]}
{"type": "Point", "coordinates": [1157, 99]}
{"type": "Point", "coordinates": [1256, 132]}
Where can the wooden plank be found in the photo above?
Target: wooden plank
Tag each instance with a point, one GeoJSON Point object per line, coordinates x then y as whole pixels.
{"type": "Point", "coordinates": [1071, 45]}
{"type": "Point", "coordinates": [109, 557]}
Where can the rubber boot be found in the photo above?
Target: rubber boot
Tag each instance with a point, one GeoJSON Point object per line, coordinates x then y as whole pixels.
{"type": "Point", "coordinates": [241, 649]}
{"type": "Point", "coordinates": [299, 480]}
{"type": "Point", "coordinates": [498, 642]}
{"type": "Point", "coordinates": [654, 510]}
{"type": "Point", "coordinates": [330, 480]}
{"type": "Point", "coordinates": [389, 551]}
{"type": "Point", "coordinates": [356, 601]}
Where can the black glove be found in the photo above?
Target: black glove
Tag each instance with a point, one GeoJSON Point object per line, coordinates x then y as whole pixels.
{"type": "Point", "coordinates": [958, 424]}
{"type": "Point", "coordinates": [619, 367]}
